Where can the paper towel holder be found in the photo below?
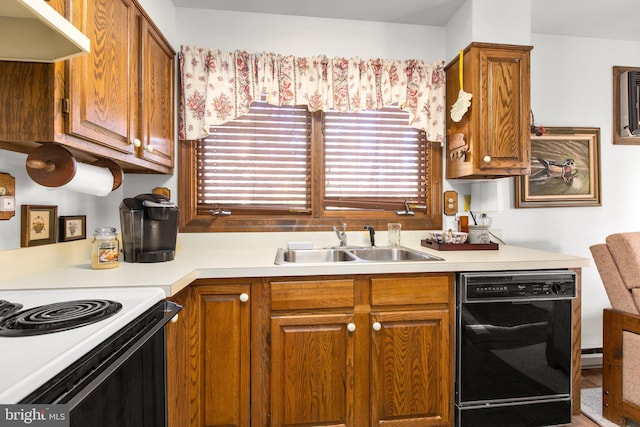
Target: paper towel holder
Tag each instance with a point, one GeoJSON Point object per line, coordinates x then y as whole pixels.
{"type": "Point", "coordinates": [52, 165]}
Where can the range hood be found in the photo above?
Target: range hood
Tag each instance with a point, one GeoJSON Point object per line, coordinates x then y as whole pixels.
{"type": "Point", "coordinates": [33, 31]}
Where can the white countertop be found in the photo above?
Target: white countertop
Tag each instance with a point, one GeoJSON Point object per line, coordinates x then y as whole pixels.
{"type": "Point", "coordinates": [219, 255]}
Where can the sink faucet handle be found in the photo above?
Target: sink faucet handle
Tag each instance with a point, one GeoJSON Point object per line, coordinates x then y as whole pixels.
{"type": "Point", "coordinates": [341, 233]}
{"type": "Point", "coordinates": [342, 229]}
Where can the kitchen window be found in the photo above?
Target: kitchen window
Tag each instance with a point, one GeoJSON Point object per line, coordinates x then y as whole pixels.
{"type": "Point", "coordinates": [259, 163]}
{"type": "Point", "coordinates": [284, 169]}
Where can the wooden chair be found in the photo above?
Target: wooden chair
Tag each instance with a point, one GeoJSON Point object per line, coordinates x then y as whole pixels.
{"type": "Point", "coordinates": [618, 262]}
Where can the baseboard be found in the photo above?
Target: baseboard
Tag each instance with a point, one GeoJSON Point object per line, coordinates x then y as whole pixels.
{"type": "Point", "coordinates": [591, 358]}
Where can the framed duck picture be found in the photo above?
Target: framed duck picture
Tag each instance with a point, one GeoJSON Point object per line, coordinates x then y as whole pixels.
{"type": "Point", "coordinates": [565, 169]}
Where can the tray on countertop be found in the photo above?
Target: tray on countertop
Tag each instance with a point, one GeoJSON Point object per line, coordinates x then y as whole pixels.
{"type": "Point", "coordinates": [427, 243]}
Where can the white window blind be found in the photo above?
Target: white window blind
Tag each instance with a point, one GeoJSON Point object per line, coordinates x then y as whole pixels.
{"type": "Point", "coordinates": [257, 162]}
{"type": "Point", "coordinates": [261, 162]}
{"type": "Point", "coordinates": [373, 161]}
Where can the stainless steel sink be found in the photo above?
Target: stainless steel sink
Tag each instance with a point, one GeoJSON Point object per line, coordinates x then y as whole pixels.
{"type": "Point", "coordinates": [358, 254]}
{"type": "Point", "coordinates": [313, 255]}
{"type": "Point", "coordinates": [392, 254]}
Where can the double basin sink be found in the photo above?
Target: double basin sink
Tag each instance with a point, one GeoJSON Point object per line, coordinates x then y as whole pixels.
{"type": "Point", "coordinates": [351, 254]}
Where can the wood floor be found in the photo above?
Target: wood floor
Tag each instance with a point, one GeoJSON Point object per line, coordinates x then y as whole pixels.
{"type": "Point", "coordinates": [590, 378]}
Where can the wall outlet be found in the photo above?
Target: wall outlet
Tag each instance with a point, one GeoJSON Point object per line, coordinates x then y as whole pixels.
{"type": "Point", "coordinates": [450, 202]}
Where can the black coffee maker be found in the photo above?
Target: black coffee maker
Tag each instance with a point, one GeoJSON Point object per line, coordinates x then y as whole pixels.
{"type": "Point", "coordinates": [149, 228]}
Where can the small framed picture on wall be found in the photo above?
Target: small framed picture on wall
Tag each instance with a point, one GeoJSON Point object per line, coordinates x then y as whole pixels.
{"type": "Point", "coordinates": [38, 225]}
{"type": "Point", "coordinates": [72, 228]}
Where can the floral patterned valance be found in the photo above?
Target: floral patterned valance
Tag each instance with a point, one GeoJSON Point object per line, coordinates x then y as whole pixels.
{"type": "Point", "coordinates": [219, 86]}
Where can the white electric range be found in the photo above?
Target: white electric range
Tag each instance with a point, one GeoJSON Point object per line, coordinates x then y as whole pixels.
{"type": "Point", "coordinates": [28, 362]}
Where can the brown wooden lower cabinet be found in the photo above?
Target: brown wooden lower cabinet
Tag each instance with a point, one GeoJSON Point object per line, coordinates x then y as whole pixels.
{"type": "Point", "coordinates": [208, 357]}
{"type": "Point", "coordinates": [409, 369]}
{"type": "Point", "coordinates": [412, 321]}
{"type": "Point", "coordinates": [313, 370]}
{"type": "Point", "coordinates": [320, 351]}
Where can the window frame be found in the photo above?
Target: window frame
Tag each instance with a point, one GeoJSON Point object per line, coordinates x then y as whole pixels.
{"type": "Point", "coordinates": [318, 220]}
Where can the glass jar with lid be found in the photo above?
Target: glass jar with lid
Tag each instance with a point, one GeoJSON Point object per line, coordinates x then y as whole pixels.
{"type": "Point", "coordinates": [105, 249]}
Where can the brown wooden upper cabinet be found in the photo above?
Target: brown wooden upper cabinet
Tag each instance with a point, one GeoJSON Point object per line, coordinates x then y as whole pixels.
{"type": "Point", "coordinates": [116, 102]}
{"type": "Point", "coordinates": [492, 138]}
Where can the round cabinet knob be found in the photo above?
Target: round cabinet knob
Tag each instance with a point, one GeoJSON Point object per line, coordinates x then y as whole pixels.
{"type": "Point", "coordinates": [376, 326]}
{"type": "Point", "coordinates": [149, 148]}
{"type": "Point", "coordinates": [136, 142]}
{"type": "Point", "coordinates": [174, 319]}
{"type": "Point", "coordinates": [486, 159]}
{"type": "Point", "coordinates": [351, 327]}
{"type": "Point", "coordinates": [244, 297]}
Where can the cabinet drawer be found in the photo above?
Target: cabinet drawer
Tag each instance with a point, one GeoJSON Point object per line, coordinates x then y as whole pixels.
{"type": "Point", "coordinates": [410, 290]}
{"type": "Point", "coordinates": [317, 294]}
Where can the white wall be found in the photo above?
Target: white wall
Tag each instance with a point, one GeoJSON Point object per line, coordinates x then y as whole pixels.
{"type": "Point", "coordinates": [489, 21]}
{"type": "Point", "coordinates": [305, 36]}
{"type": "Point", "coordinates": [100, 211]}
{"type": "Point", "coordinates": [571, 86]}
{"type": "Point", "coordinates": [163, 14]}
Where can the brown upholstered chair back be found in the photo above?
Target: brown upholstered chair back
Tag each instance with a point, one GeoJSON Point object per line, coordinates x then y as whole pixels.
{"type": "Point", "coordinates": [618, 262]}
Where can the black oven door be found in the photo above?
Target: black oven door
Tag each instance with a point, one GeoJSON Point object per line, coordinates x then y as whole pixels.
{"type": "Point", "coordinates": [122, 382]}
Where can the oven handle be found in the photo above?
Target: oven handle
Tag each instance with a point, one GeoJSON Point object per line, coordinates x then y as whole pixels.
{"type": "Point", "coordinates": [171, 309]}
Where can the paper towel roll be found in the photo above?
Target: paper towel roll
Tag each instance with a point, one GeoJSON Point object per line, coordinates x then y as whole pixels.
{"type": "Point", "coordinates": [54, 166]}
{"type": "Point", "coordinates": [91, 180]}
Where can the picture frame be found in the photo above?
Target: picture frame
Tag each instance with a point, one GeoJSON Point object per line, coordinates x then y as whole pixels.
{"type": "Point", "coordinates": [565, 169]}
{"type": "Point", "coordinates": [38, 225]}
{"type": "Point", "coordinates": [72, 228]}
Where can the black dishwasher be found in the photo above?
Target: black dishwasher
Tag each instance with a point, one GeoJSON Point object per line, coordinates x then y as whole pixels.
{"type": "Point", "coordinates": [513, 348]}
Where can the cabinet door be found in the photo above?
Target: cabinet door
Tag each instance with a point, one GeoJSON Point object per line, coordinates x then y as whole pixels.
{"type": "Point", "coordinates": [410, 368]}
{"type": "Point", "coordinates": [100, 91]}
{"type": "Point", "coordinates": [223, 347]}
{"type": "Point", "coordinates": [492, 138]}
{"type": "Point", "coordinates": [157, 81]}
{"type": "Point", "coordinates": [312, 370]}
{"type": "Point", "coordinates": [504, 136]}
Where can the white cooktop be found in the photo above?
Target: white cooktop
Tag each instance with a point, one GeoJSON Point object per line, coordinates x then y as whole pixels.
{"type": "Point", "coordinates": [28, 362]}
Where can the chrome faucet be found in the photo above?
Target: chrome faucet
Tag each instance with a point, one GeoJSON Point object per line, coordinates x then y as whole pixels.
{"type": "Point", "coordinates": [342, 234]}
{"type": "Point", "coordinates": [372, 233]}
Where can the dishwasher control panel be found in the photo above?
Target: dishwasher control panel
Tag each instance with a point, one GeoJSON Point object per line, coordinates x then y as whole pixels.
{"type": "Point", "coordinates": [543, 284]}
